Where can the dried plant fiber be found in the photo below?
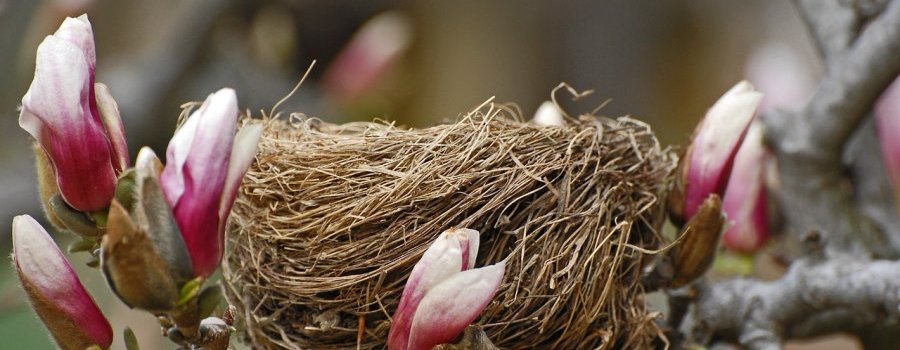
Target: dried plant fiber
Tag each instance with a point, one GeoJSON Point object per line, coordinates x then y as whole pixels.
{"type": "Point", "coordinates": [332, 218]}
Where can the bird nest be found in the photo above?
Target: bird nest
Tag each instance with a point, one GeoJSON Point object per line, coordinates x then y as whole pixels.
{"type": "Point", "coordinates": [332, 218]}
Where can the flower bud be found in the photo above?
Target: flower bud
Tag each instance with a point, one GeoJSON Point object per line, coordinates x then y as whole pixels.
{"type": "Point", "coordinates": [548, 114]}
{"type": "Point", "coordinates": [443, 294]}
{"type": "Point", "coordinates": [369, 55]}
{"type": "Point", "coordinates": [82, 137]}
{"type": "Point", "coordinates": [54, 289]}
{"type": "Point", "coordinates": [716, 141]}
{"type": "Point", "coordinates": [143, 255]}
{"type": "Point", "coordinates": [205, 163]}
{"type": "Point", "coordinates": [887, 119]}
{"type": "Point", "coordinates": [746, 197]}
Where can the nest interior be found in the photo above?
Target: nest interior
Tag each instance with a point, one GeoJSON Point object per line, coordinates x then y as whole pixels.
{"type": "Point", "coordinates": [332, 218]}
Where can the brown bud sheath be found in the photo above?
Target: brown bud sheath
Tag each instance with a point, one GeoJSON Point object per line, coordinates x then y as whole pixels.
{"type": "Point", "coordinates": [46, 183]}
{"type": "Point", "coordinates": [143, 255]}
{"type": "Point", "coordinates": [700, 237]}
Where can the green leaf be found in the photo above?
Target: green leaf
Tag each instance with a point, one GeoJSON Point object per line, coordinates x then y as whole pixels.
{"type": "Point", "coordinates": [125, 189]}
{"type": "Point", "coordinates": [190, 290]}
{"type": "Point", "coordinates": [131, 342]}
{"type": "Point", "coordinates": [210, 299]}
{"type": "Point", "coordinates": [85, 244]}
{"type": "Point", "coordinates": [74, 220]}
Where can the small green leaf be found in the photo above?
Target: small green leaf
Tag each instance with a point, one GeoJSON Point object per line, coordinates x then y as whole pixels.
{"type": "Point", "coordinates": [93, 347]}
{"type": "Point", "coordinates": [210, 299]}
{"type": "Point", "coordinates": [74, 220]}
{"type": "Point", "coordinates": [190, 290]}
{"type": "Point", "coordinates": [85, 244]}
{"type": "Point", "coordinates": [99, 217]}
{"type": "Point", "coordinates": [131, 342]}
{"type": "Point", "coordinates": [125, 189]}
{"type": "Point", "coordinates": [94, 262]}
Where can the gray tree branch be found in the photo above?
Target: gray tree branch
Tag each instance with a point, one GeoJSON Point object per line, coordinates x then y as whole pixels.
{"type": "Point", "coordinates": [814, 298]}
{"type": "Point", "coordinates": [829, 183]}
{"type": "Point", "coordinates": [814, 191]}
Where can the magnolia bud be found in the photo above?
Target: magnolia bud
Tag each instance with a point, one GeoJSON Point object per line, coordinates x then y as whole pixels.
{"type": "Point", "coordinates": [887, 118]}
{"type": "Point", "coordinates": [205, 163]}
{"type": "Point", "coordinates": [60, 110]}
{"type": "Point", "coordinates": [443, 294]}
{"type": "Point", "coordinates": [143, 255]}
{"type": "Point", "coordinates": [716, 141]}
{"type": "Point", "coordinates": [55, 291]}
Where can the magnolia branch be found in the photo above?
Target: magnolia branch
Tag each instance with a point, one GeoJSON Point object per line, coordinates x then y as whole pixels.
{"type": "Point", "coordinates": [809, 144]}
{"type": "Point", "coordinates": [836, 287]}
{"type": "Point", "coordinates": [815, 297]}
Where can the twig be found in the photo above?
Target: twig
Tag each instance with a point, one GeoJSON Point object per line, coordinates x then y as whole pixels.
{"type": "Point", "coordinates": [813, 298]}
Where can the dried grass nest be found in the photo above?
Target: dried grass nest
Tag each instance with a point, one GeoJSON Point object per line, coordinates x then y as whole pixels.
{"type": "Point", "coordinates": [332, 218]}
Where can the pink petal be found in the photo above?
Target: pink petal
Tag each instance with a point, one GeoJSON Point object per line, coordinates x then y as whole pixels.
{"type": "Point", "coordinates": [745, 197]}
{"type": "Point", "coordinates": [781, 73]}
{"type": "Point", "coordinates": [548, 115]}
{"type": "Point", "coordinates": [440, 261]}
{"type": "Point", "coordinates": [468, 243]}
{"type": "Point", "coordinates": [79, 32]}
{"type": "Point", "coordinates": [172, 178]}
{"type": "Point", "coordinates": [112, 123]}
{"type": "Point", "coordinates": [242, 155]}
{"type": "Point", "coordinates": [54, 289]}
{"type": "Point", "coordinates": [201, 161]}
{"type": "Point", "coordinates": [887, 119]}
{"type": "Point", "coordinates": [372, 51]}
{"type": "Point", "coordinates": [452, 305]}
{"type": "Point", "coordinates": [56, 111]}
{"type": "Point", "coordinates": [147, 159]}
{"type": "Point", "coordinates": [716, 143]}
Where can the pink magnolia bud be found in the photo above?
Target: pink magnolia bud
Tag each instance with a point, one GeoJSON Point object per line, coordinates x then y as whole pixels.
{"type": "Point", "coordinates": [372, 51]}
{"type": "Point", "coordinates": [548, 114]}
{"type": "Point", "coordinates": [443, 294]}
{"type": "Point", "coordinates": [80, 132]}
{"type": "Point", "coordinates": [887, 119]}
{"type": "Point", "coordinates": [715, 144]}
{"type": "Point", "coordinates": [54, 289]}
{"type": "Point", "coordinates": [745, 197]}
{"type": "Point", "coordinates": [205, 163]}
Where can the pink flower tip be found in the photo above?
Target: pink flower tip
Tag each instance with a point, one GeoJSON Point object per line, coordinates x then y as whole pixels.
{"type": "Point", "coordinates": [745, 197]}
{"type": "Point", "coordinates": [715, 144]}
{"type": "Point", "coordinates": [75, 122]}
{"type": "Point", "coordinates": [370, 54]}
{"type": "Point", "coordinates": [205, 163]}
{"type": "Point", "coordinates": [887, 119]}
{"type": "Point", "coordinates": [55, 291]}
{"type": "Point", "coordinates": [443, 294]}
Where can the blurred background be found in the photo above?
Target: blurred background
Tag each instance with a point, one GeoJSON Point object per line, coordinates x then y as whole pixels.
{"type": "Point", "coordinates": [417, 63]}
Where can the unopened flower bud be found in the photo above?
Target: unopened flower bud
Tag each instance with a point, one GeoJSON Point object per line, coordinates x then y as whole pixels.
{"type": "Point", "coordinates": [80, 133]}
{"type": "Point", "coordinates": [205, 163]}
{"type": "Point", "coordinates": [548, 114]}
{"type": "Point", "coordinates": [716, 141]}
{"type": "Point", "coordinates": [443, 294]}
{"type": "Point", "coordinates": [887, 119]}
{"type": "Point", "coordinates": [55, 291]}
{"type": "Point", "coordinates": [143, 255]}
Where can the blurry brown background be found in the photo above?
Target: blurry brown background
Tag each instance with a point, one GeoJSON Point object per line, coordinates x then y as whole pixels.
{"type": "Point", "coordinates": [664, 62]}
